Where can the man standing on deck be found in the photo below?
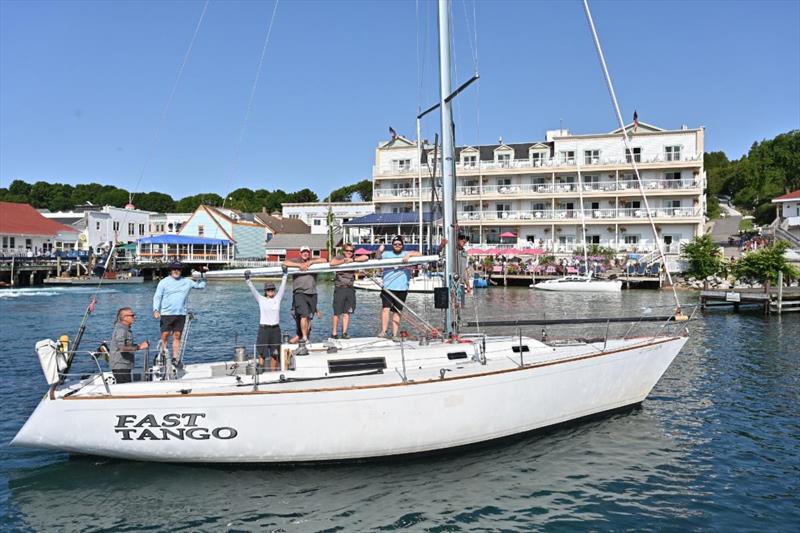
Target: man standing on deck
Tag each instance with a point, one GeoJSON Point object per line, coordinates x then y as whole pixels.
{"type": "Point", "coordinates": [169, 306]}
{"type": "Point", "coordinates": [344, 293]}
{"type": "Point", "coordinates": [304, 294]}
{"type": "Point", "coordinates": [122, 349]}
{"type": "Point", "coordinates": [395, 286]}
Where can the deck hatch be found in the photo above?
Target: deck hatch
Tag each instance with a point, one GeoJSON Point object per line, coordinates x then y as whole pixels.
{"type": "Point", "coordinates": [338, 366]}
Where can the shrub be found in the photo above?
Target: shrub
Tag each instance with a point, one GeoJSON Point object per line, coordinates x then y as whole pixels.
{"type": "Point", "coordinates": [764, 264]}
{"type": "Point", "coordinates": [704, 257]}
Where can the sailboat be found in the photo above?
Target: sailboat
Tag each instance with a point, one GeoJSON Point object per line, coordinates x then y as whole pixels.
{"type": "Point", "coordinates": [350, 399]}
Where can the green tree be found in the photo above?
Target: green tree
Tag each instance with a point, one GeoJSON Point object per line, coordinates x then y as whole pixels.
{"type": "Point", "coordinates": [190, 203]}
{"type": "Point", "coordinates": [764, 264]}
{"type": "Point", "coordinates": [704, 257]}
{"type": "Point", "coordinates": [154, 201]}
{"type": "Point", "coordinates": [20, 188]}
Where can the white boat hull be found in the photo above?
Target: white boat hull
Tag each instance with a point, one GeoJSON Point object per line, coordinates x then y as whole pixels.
{"type": "Point", "coordinates": [579, 285]}
{"type": "Point", "coordinates": [354, 417]}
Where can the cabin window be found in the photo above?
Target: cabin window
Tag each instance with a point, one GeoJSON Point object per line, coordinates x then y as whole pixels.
{"type": "Point", "coordinates": [520, 348]}
{"type": "Point", "coordinates": [356, 365]}
{"type": "Point", "coordinates": [456, 355]}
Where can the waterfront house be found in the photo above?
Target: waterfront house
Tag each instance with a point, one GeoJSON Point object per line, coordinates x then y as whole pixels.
{"type": "Point", "coordinates": [24, 231]}
{"type": "Point", "coordinates": [276, 224]}
{"type": "Point", "coordinates": [185, 248]}
{"type": "Point", "coordinates": [100, 225]}
{"type": "Point", "coordinates": [531, 189]}
{"type": "Point", "coordinates": [371, 230]}
{"type": "Point", "coordinates": [243, 230]}
{"type": "Point", "coordinates": [316, 214]}
{"type": "Point", "coordinates": [787, 223]}
{"type": "Point", "coordinates": [287, 245]}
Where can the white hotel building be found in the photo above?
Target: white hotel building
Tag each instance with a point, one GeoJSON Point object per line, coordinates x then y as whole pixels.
{"type": "Point", "coordinates": [532, 189]}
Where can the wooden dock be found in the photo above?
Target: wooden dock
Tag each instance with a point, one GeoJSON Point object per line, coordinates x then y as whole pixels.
{"type": "Point", "coordinates": [776, 300]}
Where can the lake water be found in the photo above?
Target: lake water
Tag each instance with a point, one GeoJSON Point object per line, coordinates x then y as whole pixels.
{"type": "Point", "coordinates": [716, 446]}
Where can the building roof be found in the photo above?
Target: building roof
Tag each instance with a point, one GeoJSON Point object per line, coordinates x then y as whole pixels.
{"type": "Point", "coordinates": [22, 219]}
{"type": "Point", "coordinates": [293, 241]}
{"type": "Point", "coordinates": [280, 225]}
{"type": "Point", "coordinates": [181, 239]}
{"type": "Point", "coordinates": [794, 195]}
{"type": "Point", "coordinates": [385, 219]}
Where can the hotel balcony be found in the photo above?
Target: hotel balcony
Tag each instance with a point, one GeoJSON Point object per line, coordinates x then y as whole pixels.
{"type": "Point", "coordinates": [540, 190]}
{"type": "Point", "coordinates": [554, 164]}
{"type": "Point", "coordinates": [572, 216]}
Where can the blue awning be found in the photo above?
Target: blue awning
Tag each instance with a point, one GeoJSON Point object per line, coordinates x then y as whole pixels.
{"type": "Point", "coordinates": [182, 239]}
{"type": "Point", "coordinates": [386, 219]}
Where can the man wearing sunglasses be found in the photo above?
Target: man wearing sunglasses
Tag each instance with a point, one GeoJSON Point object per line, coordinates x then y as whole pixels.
{"type": "Point", "coordinates": [304, 294]}
{"type": "Point", "coordinates": [395, 286]}
{"type": "Point", "coordinates": [344, 293]}
{"type": "Point", "coordinates": [122, 350]}
{"type": "Point", "coordinates": [170, 306]}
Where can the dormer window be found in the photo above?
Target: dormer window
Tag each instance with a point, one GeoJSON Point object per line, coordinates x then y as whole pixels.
{"type": "Point", "coordinates": [537, 158]}
{"type": "Point", "coordinates": [504, 159]}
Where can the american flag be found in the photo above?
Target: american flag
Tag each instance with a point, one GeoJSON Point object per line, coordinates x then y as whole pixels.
{"type": "Point", "coordinates": [635, 120]}
{"type": "Point", "coordinates": [392, 132]}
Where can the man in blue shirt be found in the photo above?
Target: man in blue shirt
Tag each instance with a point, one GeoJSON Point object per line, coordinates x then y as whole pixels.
{"type": "Point", "coordinates": [169, 305]}
{"type": "Point", "coordinates": [395, 286]}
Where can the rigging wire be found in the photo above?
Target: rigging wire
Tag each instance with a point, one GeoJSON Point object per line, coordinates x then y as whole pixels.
{"type": "Point", "coordinates": [243, 128]}
{"type": "Point", "coordinates": [628, 150]}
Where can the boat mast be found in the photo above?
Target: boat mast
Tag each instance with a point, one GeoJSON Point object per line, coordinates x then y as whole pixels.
{"type": "Point", "coordinates": [419, 180]}
{"type": "Point", "coordinates": [448, 164]}
{"type": "Point", "coordinates": [583, 215]}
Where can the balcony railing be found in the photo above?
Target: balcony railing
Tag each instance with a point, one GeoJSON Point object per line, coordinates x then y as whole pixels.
{"type": "Point", "coordinates": [550, 163]}
{"type": "Point", "coordinates": [561, 215]}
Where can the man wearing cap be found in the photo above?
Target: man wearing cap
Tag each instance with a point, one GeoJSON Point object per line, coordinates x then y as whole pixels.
{"type": "Point", "coordinates": [462, 267]}
{"type": "Point", "coordinates": [269, 329]}
{"type": "Point", "coordinates": [169, 305]}
{"type": "Point", "coordinates": [304, 294]}
{"type": "Point", "coordinates": [344, 293]}
{"type": "Point", "coordinates": [395, 286]}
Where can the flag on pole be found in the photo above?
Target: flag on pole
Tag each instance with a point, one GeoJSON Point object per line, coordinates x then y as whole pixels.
{"type": "Point", "coordinates": [392, 132]}
{"type": "Point", "coordinates": [635, 120]}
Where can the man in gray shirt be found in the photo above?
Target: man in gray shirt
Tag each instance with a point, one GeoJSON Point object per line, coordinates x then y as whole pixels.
{"type": "Point", "coordinates": [122, 351]}
{"type": "Point", "coordinates": [304, 294]}
{"type": "Point", "coordinates": [344, 294]}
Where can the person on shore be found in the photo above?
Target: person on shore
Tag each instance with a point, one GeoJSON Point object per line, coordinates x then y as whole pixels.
{"type": "Point", "coordinates": [462, 267]}
{"type": "Point", "coordinates": [268, 341]}
{"type": "Point", "coordinates": [304, 294]}
{"type": "Point", "coordinates": [122, 349]}
{"type": "Point", "coordinates": [169, 306]}
{"type": "Point", "coordinates": [395, 286]}
{"type": "Point", "coordinates": [344, 293]}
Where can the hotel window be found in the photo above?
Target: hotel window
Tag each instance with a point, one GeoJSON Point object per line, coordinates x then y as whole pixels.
{"type": "Point", "coordinates": [502, 208]}
{"type": "Point", "coordinates": [631, 239]}
{"type": "Point", "coordinates": [503, 181]}
{"type": "Point", "coordinates": [317, 222]}
{"type": "Point", "coordinates": [115, 226]}
{"type": "Point", "coordinates": [591, 157]}
{"type": "Point", "coordinates": [634, 154]}
{"type": "Point", "coordinates": [672, 204]}
{"type": "Point", "coordinates": [537, 158]}
{"type": "Point", "coordinates": [131, 228]}
{"type": "Point", "coordinates": [593, 239]}
{"type": "Point", "coordinates": [402, 165]}
{"type": "Point", "coordinates": [568, 157]}
{"type": "Point", "coordinates": [672, 153]}
{"type": "Point", "coordinates": [504, 159]}
{"type": "Point", "coordinates": [141, 229]}
{"type": "Point", "coordinates": [538, 206]}
{"type": "Point", "coordinates": [201, 230]}
{"type": "Point", "coordinates": [5, 242]}
{"type": "Point", "coordinates": [470, 160]}
{"type": "Point", "coordinates": [12, 242]}
{"type": "Point", "coordinates": [672, 175]}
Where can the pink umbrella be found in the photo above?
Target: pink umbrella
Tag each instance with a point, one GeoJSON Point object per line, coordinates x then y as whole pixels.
{"type": "Point", "coordinates": [362, 251]}
{"type": "Point", "coordinates": [508, 234]}
{"type": "Point", "coordinates": [532, 251]}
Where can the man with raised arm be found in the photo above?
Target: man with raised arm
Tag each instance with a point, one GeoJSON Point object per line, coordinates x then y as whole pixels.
{"type": "Point", "coordinates": [170, 306]}
{"type": "Point", "coordinates": [344, 293]}
{"type": "Point", "coordinates": [395, 286]}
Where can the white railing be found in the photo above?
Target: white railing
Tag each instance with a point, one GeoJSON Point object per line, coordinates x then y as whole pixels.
{"type": "Point", "coordinates": [409, 193]}
{"type": "Point", "coordinates": [575, 214]}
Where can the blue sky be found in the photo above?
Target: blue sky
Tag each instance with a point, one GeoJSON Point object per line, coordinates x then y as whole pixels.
{"type": "Point", "coordinates": [83, 84]}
